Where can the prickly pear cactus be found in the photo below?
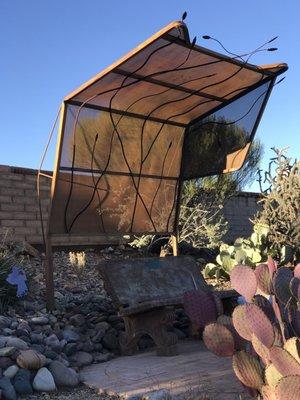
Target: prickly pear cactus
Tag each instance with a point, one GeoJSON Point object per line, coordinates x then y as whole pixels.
{"type": "Point", "coordinates": [281, 283]}
{"type": "Point", "coordinates": [269, 323]}
{"type": "Point", "coordinates": [243, 280]}
{"type": "Point", "coordinates": [284, 362]}
{"type": "Point", "coordinates": [249, 251]}
{"type": "Point", "coordinates": [264, 279]}
{"type": "Point", "coordinates": [200, 307]}
{"type": "Point", "coordinates": [288, 388]}
{"type": "Point", "coordinates": [248, 370]}
{"type": "Point", "coordinates": [219, 340]}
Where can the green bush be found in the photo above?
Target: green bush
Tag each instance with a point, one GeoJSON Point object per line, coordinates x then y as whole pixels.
{"type": "Point", "coordinates": [250, 251]}
{"type": "Point", "coordinates": [280, 211]}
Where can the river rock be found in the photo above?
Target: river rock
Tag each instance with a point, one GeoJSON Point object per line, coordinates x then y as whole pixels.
{"type": "Point", "coordinates": [7, 389]}
{"type": "Point", "coordinates": [53, 342]}
{"type": "Point", "coordinates": [17, 343]}
{"type": "Point", "coordinates": [5, 362]}
{"type": "Point", "coordinates": [77, 320]}
{"type": "Point", "coordinates": [11, 371]}
{"type": "Point", "coordinates": [39, 320]}
{"type": "Point", "coordinates": [31, 359]}
{"type": "Point", "coordinates": [110, 341]}
{"type": "Point", "coordinates": [102, 326]}
{"type": "Point", "coordinates": [62, 375]}
{"type": "Point", "coordinates": [87, 346]}
{"type": "Point", "coordinates": [3, 340]}
{"type": "Point", "coordinates": [81, 358]}
{"type": "Point", "coordinates": [70, 336]}
{"type": "Point", "coordinates": [7, 351]}
{"type": "Point", "coordinates": [103, 357]}
{"type": "Point", "coordinates": [36, 338]}
{"type": "Point", "coordinates": [70, 349]}
{"type": "Point", "coordinates": [43, 381]}
{"type": "Point", "coordinates": [38, 347]}
{"type": "Point", "coordinates": [5, 322]}
{"type": "Point", "coordinates": [22, 382]}
{"type": "Point", "coordinates": [161, 394]}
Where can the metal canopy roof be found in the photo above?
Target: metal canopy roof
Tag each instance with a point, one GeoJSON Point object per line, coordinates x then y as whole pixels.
{"type": "Point", "coordinates": [169, 110]}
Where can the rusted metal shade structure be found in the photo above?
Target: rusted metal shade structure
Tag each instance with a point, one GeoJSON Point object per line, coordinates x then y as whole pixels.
{"type": "Point", "coordinates": [168, 111]}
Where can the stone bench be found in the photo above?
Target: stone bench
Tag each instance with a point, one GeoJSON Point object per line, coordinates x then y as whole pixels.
{"type": "Point", "coordinates": [145, 290]}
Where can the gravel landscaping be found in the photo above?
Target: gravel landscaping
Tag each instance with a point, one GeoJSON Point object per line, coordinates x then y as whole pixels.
{"type": "Point", "coordinates": [43, 352]}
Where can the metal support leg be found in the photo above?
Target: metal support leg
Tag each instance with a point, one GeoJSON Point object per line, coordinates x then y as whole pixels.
{"type": "Point", "coordinates": [49, 276]}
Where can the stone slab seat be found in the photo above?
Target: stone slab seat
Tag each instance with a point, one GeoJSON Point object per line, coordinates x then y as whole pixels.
{"type": "Point", "coordinates": [145, 290]}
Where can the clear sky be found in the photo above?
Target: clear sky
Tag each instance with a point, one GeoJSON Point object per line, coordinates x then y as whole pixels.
{"type": "Point", "coordinates": [50, 47]}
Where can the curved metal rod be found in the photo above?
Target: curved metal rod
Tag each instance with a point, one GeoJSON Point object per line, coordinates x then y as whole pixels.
{"type": "Point", "coordinates": [94, 181]}
{"type": "Point", "coordinates": [173, 205]}
{"type": "Point", "coordinates": [39, 174]}
{"type": "Point", "coordinates": [160, 129]}
{"type": "Point", "coordinates": [123, 86]}
{"type": "Point", "coordinates": [76, 121]}
{"type": "Point", "coordinates": [71, 189]}
{"type": "Point", "coordinates": [161, 179]}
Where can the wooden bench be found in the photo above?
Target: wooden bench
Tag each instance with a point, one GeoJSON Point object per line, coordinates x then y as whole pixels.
{"type": "Point", "coordinates": [145, 290]}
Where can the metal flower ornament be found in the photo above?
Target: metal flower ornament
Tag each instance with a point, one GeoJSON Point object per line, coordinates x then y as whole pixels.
{"type": "Point", "coordinates": [18, 277]}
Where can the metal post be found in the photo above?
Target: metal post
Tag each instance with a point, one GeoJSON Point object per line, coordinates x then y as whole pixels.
{"type": "Point", "coordinates": [50, 303]}
{"type": "Point", "coordinates": [175, 245]}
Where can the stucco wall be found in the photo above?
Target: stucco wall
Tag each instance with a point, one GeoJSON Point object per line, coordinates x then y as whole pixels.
{"type": "Point", "coordinates": [238, 211]}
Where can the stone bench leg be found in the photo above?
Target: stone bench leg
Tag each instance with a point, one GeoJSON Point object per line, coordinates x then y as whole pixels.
{"type": "Point", "coordinates": [153, 323]}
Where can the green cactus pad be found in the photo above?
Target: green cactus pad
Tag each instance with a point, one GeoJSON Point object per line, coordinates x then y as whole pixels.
{"type": "Point", "coordinates": [248, 370]}
{"type": "Point", "coordinates": [261, 350]}
{"type": "Point", "coordinates": [292, 345]}
{"type": "Point", "coordinates": [265, 305]}
{"type": "Point", "coordinates": [219, 340]}
{"type": "Point", "coordinates": [263, 277]}
{"type": "Point", "coordinates": [243, 280]}
{"type": "Point", "coordinates": [240, 256]}
{"type": "Point", "coordinates": [295, 288]}
{"type": "Point", "coordinates": [281, 284]}
{"type": "Point", "coordinates": [284, 362]}
{"type": "Point", "coordinates": [288, 388]}
{"type": "Point", "coordinates": [272, 375]}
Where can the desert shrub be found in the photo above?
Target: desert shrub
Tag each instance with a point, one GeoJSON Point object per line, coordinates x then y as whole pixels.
{"type": "Point", "coordinates": [201, 223]}
{"type": "Point", "coordinates": [7, 291]}
{"type": "Point", "coordinates": [10, 257]}
{"type": "Point", "coordinates": [77, 261]}
{"type": "Point", "coordinates": [280, 211]}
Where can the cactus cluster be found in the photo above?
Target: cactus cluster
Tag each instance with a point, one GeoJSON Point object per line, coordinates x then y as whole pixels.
{"type": "Point", "coordinates": [249, 251]}
{"type": "Point", "coordinates": [262, 336]}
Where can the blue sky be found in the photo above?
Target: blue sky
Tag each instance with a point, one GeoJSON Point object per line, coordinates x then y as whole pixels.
{"type": "Point", "coordinates": [50, 47]}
